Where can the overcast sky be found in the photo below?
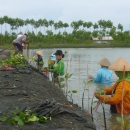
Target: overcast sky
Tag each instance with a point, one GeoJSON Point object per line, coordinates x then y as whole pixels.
{"type": "Point", "coordinates": [69, 10]}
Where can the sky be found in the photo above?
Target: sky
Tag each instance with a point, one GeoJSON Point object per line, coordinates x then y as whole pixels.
{"type": "Point", "coordinates": [69, 10]}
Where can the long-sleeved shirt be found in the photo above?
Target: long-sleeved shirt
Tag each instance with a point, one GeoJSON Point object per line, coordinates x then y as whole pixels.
{"type": "Point", "coordinates": [116, 99]}
{"type": "Point", "coordinates": [59, 68]}
{"type": "Point", "coordinates": [103, 76]}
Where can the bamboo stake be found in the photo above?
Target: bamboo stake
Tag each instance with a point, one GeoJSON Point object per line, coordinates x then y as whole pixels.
{"type": "Point", "coordinates": [122, 105]}
{"type": "Point", "coordinates": [88, 89]}
{"type": "Point", "coordinates": [79, 77]}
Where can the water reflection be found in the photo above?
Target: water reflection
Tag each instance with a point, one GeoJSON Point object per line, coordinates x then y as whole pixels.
{"type": "Point", "coordinates": [76, 62]}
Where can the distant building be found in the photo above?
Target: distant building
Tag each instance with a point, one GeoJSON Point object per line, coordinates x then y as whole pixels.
{"type": "Point", "coordinates": [105, 39]}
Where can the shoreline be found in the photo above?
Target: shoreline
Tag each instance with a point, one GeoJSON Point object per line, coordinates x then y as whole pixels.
{"type": "Point", "coordinates": [38, 89]}
{"type": "Point", "coordinates": [46, 46]}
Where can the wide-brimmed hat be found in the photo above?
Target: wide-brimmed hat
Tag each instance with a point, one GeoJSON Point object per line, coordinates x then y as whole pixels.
{"type": "Point", "coordinates": [58, 52]}
{"type": "Point", "coordinates": [39, 53]}
{"type": "Point", "coordinates": [104, 62]}
{"type": "Point", "coordinates": [120, 65]}
{"type": "Point", "coordinates": [53, 56]}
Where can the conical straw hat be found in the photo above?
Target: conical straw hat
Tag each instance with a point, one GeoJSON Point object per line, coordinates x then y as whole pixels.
{"type": "Point", "coordinates": [120, 65]}
{"type": "Point", "coordinates": [39, 53]}
{"type": "Point", "coordinates": [104, 62]}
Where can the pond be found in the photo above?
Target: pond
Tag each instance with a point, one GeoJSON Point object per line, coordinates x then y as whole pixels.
{"type": "Point", "coordinates": [82, 62]}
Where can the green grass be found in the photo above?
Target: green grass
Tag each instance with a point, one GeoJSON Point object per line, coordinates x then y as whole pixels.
{"type": "Point", "coordinates": [92, 45]}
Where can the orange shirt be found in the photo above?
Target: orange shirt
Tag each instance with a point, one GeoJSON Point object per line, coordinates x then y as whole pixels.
{"type": "Point", "coordinates": [116, 99]}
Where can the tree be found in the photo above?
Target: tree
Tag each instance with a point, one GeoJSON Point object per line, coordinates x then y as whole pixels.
{"type": "Point", "coordinates": [40, 22]}
{"type": "Point", "coordinates": [51, 23]}
{"type": "Point", "coordinates": [60, 25]}
{"type": "Point", "coordinates": [26, 22]}
{"type": "Point", "coordinates": [55, 26]}
{"type": "Point", "coordinates": [65, 25]}
{"type": "Point", "coordinates": [80, 23]}
{"type": "Point", "coordinates": [120, 27]}
{"type": "Point", "coordinates": [1, 23]}
{"type": "Point", "coordinates": [45, 24]}
{"type": "Point", "coordinates": [74, 25]}
{"type": "Point", "coordinates": [95, 33]}
{"type": "Point", "coordinates": [32, 22]}
{"type": "Point", "coordinates": [95, 26]}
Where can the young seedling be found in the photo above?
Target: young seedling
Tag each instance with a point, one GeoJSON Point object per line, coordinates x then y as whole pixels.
{"type": "Point", "coordinates": [72, 92]}
{"type": "Point", "coordinates": [67, 76]}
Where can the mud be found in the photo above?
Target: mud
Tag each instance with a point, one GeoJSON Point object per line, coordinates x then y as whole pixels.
{"type": "Point", "coordinates": [24, 89]}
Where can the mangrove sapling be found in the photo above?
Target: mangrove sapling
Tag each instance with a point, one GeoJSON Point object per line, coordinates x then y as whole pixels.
{"type": "Point", "coordinates": [125, 123]}
{"type": "Point", "coordinates": [67, 76]}
{"type": "Point", "coordinates": [21, 118]}
{"type": "Point", "coordinates": [17, 61]}
{"type": "Point", "coordinates": [92, 97]}
{"type": "Point", "coordinates": [85, 88]}
{"type": "Point", "coordinates": [101, 92]}
{"type": "Point", "coordinates": [72, 91]}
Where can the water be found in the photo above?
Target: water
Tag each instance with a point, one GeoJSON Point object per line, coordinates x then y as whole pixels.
{"type": "Point", "coordinates": [77, 61]}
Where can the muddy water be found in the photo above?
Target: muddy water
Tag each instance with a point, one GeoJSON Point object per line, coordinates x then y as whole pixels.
{"type": "Point", "coordinates": [83, 62]}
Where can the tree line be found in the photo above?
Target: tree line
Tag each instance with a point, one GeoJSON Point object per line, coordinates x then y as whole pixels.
{"type": "Point", "coordinates": [82, 31]}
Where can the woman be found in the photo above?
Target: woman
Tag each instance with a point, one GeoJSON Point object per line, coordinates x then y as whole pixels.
{"type": "Point", "coordinates": [58, 69]}
{"type": "Point", "coordinates": [103, 75]}
{"type": "Point", "coordinates": [39, 60]}
{"type": "Point", "coordinates": [122, 86]}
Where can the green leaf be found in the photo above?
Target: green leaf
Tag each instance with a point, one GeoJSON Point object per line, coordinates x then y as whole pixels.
{"type": "Point", "coordinates": [20, 122]}
{"type": "Point", "coordinates": [69, 91]}
{"type": "Point", "coordinates": [90, 81]}
{"type": "Point", "coordinates": [100, 91]}
{"type": "Point", "coordinates": [22, 115]}
{"type": "Point", "coordinates": [119, 119]}
{"type": "Point", "coordinates": [74, 91]}
{"type": "Point", "coordinates": [34, 118]}
{"type": "Point", "coordinates": [3, 119]}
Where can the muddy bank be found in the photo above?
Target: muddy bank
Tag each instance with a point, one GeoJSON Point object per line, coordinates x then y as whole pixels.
{"type": "Point", "coordinates": [24, 89]}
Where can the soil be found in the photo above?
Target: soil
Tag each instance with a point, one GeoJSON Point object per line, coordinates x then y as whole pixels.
{"type": "Point", "coordinates": [36, 88]}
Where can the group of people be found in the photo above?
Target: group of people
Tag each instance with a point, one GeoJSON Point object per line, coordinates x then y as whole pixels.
{"type": "Point", "coordinates": [55, 66]}
{"type": "Point", "coordinates": [113, 93]}
{"type": "Point", "coordinates": [118, 95]}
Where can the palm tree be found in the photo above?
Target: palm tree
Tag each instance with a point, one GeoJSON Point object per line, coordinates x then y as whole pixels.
{"type": "Point", "coordinates": [40, 22]}
{"type": "Point", "coordinates": [95, 26]}
{"type": "Point", "coordinates": [1, 22]}
{"type": "Point", "coordinates": [55, 26]}
{"type": "Point", "coordinates": [51, 23]}
{"type": "Point", "coordinates": [109, 24]}
{"type": "Point", "coordinates": [80, 23]}
{"type": "Point", "coordinates": [32, 22]}
{"type": "Point", "coordinates": [5, 21]}
{"type": "Point", "coordinates": [120, 27]}
{"type": "Point", "coordinates": [26, 23]}
{"type": "Point", "coordinates": [65, 25]}
{"type": "Point", "coordinates": [60, 25]}
{"type": "Point", "coordinates": [74, 25]}
{"type": "Point", "coordinates": [45, 24]}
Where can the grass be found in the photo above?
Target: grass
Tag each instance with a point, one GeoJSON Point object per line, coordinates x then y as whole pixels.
{"type": "Point", "coordinates": [44, 45]}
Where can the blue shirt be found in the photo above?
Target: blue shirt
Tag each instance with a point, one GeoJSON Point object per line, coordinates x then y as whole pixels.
{"type": "Point", "coordinates": [103, 76]}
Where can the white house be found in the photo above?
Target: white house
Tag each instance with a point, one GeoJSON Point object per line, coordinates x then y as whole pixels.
{"type": "Point", "coordinates": [105, 39]}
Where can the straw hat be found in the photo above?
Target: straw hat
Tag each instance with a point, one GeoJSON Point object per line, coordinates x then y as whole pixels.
{"type": "Point", "coordinates": [104, 62]}
{"type": "Point", "coordinates": [120, 65]}
{"type": "Point", "coordinates": [39, 53]}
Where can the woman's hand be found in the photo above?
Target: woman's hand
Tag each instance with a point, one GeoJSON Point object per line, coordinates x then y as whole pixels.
{"type": "Point", "coordinates": [43, 70]}
{"type": "Point", "coordinates": [90, 77]}
{"type": "Point", "coordinates": [96, 95]}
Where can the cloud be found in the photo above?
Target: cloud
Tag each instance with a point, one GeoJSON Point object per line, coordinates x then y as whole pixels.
{"type": "Point", "coordinates": [69, 10]}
